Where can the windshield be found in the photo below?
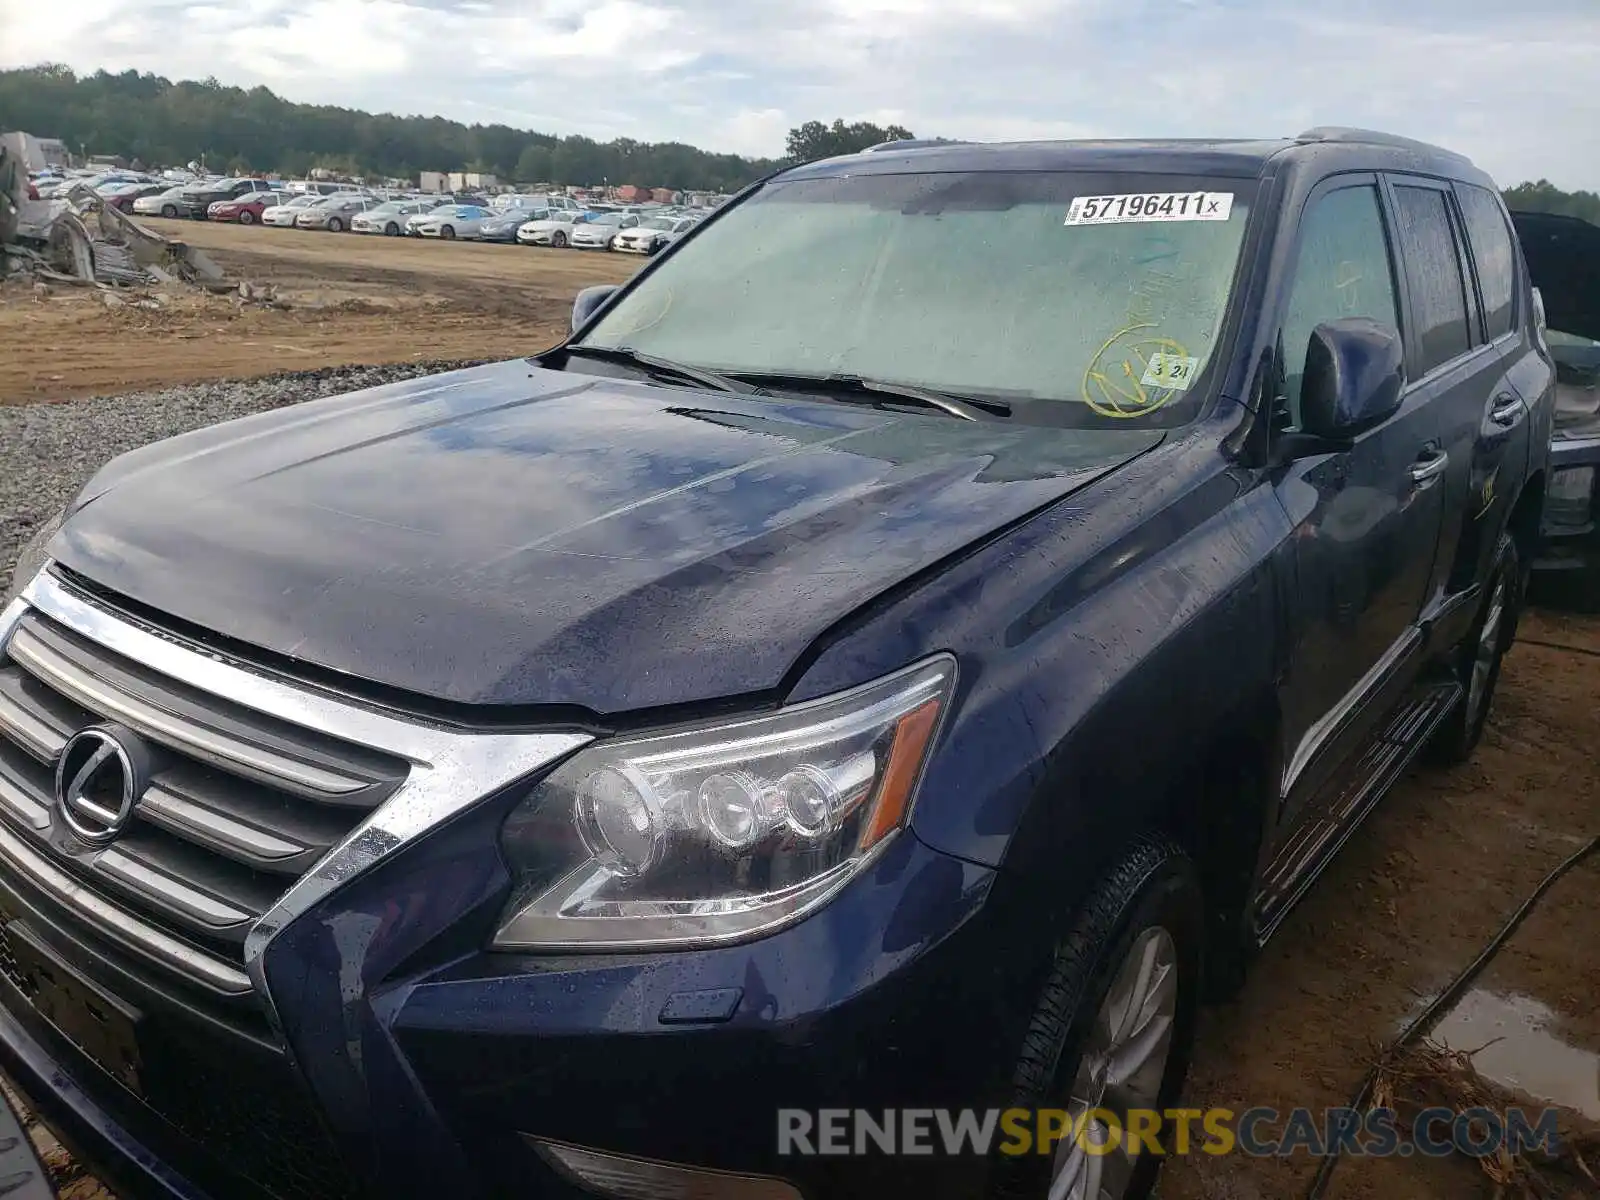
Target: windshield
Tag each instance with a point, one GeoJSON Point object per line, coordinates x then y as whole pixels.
{"type": "Point", "coordinates": [609, 218]}
{"type": "Point", "coordinates": [656, 223]}
{"type": "Point", "coordinates": [1100, 296]}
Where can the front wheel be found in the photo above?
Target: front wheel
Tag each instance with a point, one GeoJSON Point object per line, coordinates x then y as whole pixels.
{"type": "Point", "coordinates": [246, 217]}
{"type": "Point", "coordinates": [169, 211]}
{"type": "Point", "coordinates": [558, 240]}
{"type": "Point", "coordinates": [335, 225]}
{"type": "Point", "coordinates": [391, 230]}
{"type": "Point", "coordinates": [1478, 658]}
{"type": "Point", "coordinates": [447, 232]}
{"type": "Point", "coordinates": [1110, 1039]}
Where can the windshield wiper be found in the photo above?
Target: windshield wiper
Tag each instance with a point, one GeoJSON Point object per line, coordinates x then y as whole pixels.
{"type": "Point", "coordinates": [652, 365]}
{"type": "Point", "coordinates": [968, 408]}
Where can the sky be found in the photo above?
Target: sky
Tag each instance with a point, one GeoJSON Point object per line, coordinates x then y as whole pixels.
{"type": "Point", "coordinates": [1514, 85]}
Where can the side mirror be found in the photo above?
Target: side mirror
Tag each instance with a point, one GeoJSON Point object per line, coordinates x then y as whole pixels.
{"type": "Point", "coordinates": [1355, 371]}
{"type": "Point", "coordinates": [588, 300]}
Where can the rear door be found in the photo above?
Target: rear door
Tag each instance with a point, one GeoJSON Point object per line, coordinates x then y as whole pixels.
{"type": "Point", "coordinates": [1516, 376]}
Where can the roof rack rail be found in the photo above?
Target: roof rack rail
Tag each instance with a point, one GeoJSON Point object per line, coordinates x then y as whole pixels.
{"type": "Point", "coordinates": [913, 144]}
{"type": "Point", "coordinates": [1373, 137]}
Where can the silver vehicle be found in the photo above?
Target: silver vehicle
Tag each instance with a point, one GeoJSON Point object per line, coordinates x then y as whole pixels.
{"type": "Point", "coordinates": [333, 213]}
{"type": "Point", "coordinates": [390, 217]}
{"type": "Point", "coordinates": [283, 215]}
{"type": "Point", "coordinates": [549, 227]}
{"type": "Point", "coordinates": [597, 234]}
{"type": "Point", "coordinates": [452, 221]}
{"type": "Point", "coordinates": [162, 204]}
{"type": "Point", "coordinates": [652, 235]}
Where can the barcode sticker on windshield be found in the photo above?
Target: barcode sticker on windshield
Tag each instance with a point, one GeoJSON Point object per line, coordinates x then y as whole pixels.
{"type": "Point", "coordinates": [1165, 370]}
{"type": "Point", "coordinates": [1150, 206]}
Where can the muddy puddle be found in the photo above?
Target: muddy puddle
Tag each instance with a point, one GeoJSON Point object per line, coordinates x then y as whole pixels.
{"type": "Point", "coordinates": [1515, 1041]}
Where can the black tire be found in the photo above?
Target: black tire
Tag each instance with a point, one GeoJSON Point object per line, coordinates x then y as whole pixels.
{"type": "Point", "coordinates": [1154, 886]}
{"type": "Point", "coordinates": [558, 240]}
{"type": "Point", "coordinates": [447, 232]}
{"type": "Point", "coordinates": [246, 217]}
{"type": "Point", "coordinates": [391, 230]}
{"type": "Point", "coordinates": [1455, 740]}
{"type": "Point", "coordinates": [169, 211]}
{"type": "Point", "coordinates": [335, 225]}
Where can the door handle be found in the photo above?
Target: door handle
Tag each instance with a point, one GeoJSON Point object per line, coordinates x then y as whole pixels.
{"type": "Point", "coordinates": [1428, 468]}
{"type": "Point", "coordinates": [1506, 409]}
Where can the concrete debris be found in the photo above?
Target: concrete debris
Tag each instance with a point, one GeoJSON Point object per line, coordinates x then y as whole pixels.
{"type": "Point", "coordinates": [78, 239]}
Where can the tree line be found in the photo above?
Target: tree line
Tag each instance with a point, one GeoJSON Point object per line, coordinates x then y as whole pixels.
{"type": "Point", "coordinates": [161, 123]}
{"type": "Point", "coordinates": [1545, 196]}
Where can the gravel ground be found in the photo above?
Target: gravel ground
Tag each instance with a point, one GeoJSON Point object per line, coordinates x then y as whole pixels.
{"type": "Point", "coordinates": [48, 451]}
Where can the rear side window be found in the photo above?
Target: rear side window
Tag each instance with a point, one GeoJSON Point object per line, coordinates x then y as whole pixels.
{"type": "Point", "coordinates": [1493, 253]}
{"type": "Point", "coordinates": [1344, 270]}
{"type": "Point", "coordinates": [1438, 293]}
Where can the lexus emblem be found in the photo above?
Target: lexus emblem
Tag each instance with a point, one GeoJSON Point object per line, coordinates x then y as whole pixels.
{"type": "Point", "coordinates": [102, 772]}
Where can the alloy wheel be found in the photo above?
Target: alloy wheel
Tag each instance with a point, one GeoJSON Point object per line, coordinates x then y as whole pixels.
{"type": "Point", "coordinates": [1124, 1061]}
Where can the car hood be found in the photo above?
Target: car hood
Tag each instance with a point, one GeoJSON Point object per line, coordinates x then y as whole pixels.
{"type": "Point", "coordinates": [1563, 256]}
{"type": "Point", "coordinates": [508, 535]}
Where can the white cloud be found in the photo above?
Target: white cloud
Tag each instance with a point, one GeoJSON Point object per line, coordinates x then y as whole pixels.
{"type": "Point", "coordinates": [1510, 85]}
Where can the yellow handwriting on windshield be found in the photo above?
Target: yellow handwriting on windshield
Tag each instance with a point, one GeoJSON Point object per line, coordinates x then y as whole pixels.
{"type": "Point", "coordinates": [1112, 384]}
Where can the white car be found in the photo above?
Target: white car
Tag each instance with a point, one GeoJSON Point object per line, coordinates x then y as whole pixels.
{"type": "Point", "coordinates": [390, 217]}
{"type": "Point", "coordinates": [652, 235]}
{"type": "Point", "coordinates": [551, 228]}
{"type": "Point", "coordinates": [162, 204]}
{"type": "Point", "coordinates": [283, 215]}
{"type": "Point", "coordinates": [597, 233]}
{"type": "Point", "coordinates": [436, 206]}
{"type": "Point", "coordinates": [451, 221]}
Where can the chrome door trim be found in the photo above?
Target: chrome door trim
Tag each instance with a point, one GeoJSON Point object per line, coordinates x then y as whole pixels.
{"type": "Point", "coordinates": [1331, 722]}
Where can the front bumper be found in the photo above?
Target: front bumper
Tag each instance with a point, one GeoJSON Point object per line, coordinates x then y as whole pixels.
{"type": "Point", "coordinates": [441, 1081]}
{"type": "Point", "coordinates": [375, 1048]}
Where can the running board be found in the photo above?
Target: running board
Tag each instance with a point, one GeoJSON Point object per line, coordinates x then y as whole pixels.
{"type": "Point", "coordinates": [1303, 858]}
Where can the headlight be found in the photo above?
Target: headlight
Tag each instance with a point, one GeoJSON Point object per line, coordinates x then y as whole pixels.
{"type": "Point", "coordinates": [31, 558]}
{"type": "Point", "coordinates": [720, 832]}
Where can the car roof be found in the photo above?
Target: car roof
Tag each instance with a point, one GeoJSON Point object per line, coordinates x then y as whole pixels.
{"type": "Point", "coordinates": [1325, 149]}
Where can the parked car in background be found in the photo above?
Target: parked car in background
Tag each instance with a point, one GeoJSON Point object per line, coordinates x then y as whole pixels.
{"type": "Point", "coordinates": [332, 213]}
{"type": "Point", "coordinates": [197, 199]}
{"type": "Point", "coordinates": [246, 209]}
{"type": "Point", "coordinates": [597, 233]}
{"type": "Point", "coordinates": [502, 225]}
{"type": "Point", "coordinates": [282, 215]}
{"type": "Point", "coordinates": [165, 203]}
{"type": "Point", "coordinates": [451, 221]}
{"type": "Point", "coordinates": [899, 652]}
{"type": "Point", "coordinates": [652, 234]}
{"type": "Point", "coordinates": [554, 228]}
{"type": "Point", "coordinates": [123, 196]}
{"type": "Point", "coordinates": [389, 217]}
{"type": "Point", "coordinates": [1563, 256]}
{"type": "Point", "coordinates": [413, 223]}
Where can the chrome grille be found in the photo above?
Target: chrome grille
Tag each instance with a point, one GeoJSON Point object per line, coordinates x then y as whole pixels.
{"type": "Point", "coordinates": [239, 807]}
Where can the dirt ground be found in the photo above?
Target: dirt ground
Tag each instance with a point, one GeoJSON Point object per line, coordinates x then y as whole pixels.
{"type": "Point", "coordinates": [1412, 898]}
{"type": "Point", "coordinates": [351, 298]}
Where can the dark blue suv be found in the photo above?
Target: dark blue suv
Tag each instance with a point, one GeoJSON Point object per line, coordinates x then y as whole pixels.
{"type": "Point", "coordinates": [906, 647]}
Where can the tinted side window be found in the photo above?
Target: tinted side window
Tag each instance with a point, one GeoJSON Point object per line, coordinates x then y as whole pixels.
{"type": "Point", "coordinates": [1344, 270]}
{"type": "Point", "coordinates": [1493, 253]}
{"type": "Point", "coordinates": [1438, 294]}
